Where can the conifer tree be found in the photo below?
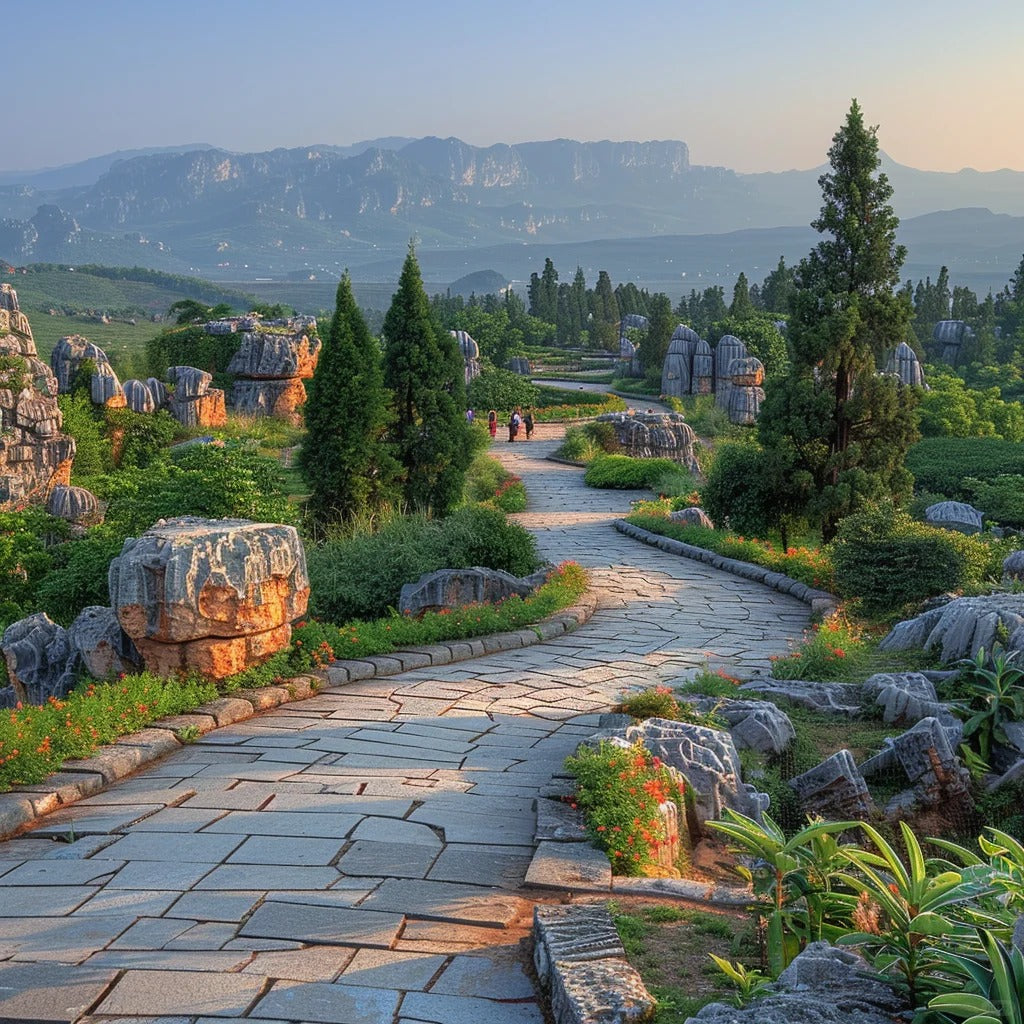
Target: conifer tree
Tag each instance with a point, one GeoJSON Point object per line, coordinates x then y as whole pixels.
{"type": "Point", "coordinates": [844, 427]}
{"type": "Point", "coordinates": [423, 370]}
{"type": "Point", "coordinates": [343, 458]}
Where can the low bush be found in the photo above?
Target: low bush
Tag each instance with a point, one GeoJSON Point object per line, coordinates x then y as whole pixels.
{"type": "Point", "coordinates": [624, 471]}
{"type": "Point", "coordinates": [489, 482]}
{"type": "Point", "coordinates": [619, 790]}
{"type": "Point", "coordinates": [887, 560]}
{"type": "Point", "coordinates": [808, 565]}
{"type": "Point", "coordinates": [502, 390]}
{"type": "Point", "coordinates": [1001, 499]}
{"type": "Point", "coordinates": [585, 443]}
{"type": "Point", "coordinates": [705, 416]}
{"type": "Point", "coordinates": [834, 649]}
{"type": "Point", "coordinates": [360, 577]}
{"type": "Point", "coordinates": [78, 577]}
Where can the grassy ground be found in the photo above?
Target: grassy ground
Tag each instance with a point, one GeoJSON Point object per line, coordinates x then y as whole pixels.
{"type": "Point", "coordinates": [669, 945]}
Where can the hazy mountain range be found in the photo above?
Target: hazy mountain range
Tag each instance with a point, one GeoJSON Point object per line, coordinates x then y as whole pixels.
{"type": "Point", "coordinates": [621, 206]}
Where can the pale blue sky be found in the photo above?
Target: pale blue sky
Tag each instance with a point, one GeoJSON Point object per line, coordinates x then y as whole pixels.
{"type": "Point", "coordinates": [749, 85]}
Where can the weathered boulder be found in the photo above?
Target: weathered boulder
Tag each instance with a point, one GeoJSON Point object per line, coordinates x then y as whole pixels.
{"type": "Point", "coordinates": [103, 648]}
{"type": "Point", "coordinates": [1013, 566]}
{"type": "Point", "coordinates": [158, 389]}
{"type": "Point", "coordinates": [677, 368]}
{"type": "Point", "coordinates": [691, 516]}
{"type": "Point", "coordinates": [834, 789]}
{"type": "Point", "coordinates": [34, 455]}
{"type": "Point", "coordinates": [194, 402]}
{"type": "Point", "coordinates": [281, 399]}
{"type": "Point", "coordinates": [823, 985]}
{"type": "Point", "coordinates": [453, 588]}
{"type": "Point", "coordinates": [138, 397]}
{"type": "Point", "coordinates": [905, 697]}
{"type": "Point", "coordinates": [744, 405]}
{"type": "Point", "coordinates": [39, 656]}
{"type": "Point", "coordinates": [520, 365]}
{"type": "Point", "coordinates": [729, 347]}
{"type": "Point", "coordinates": [708, 760]}
{"type": "Point", "coordinates": [649, 435]}
{"type": "Point", "coordinates": [747, 372]}
{"type": "Point", "coordinates": [270, 366]}
{"type": "Point", "coordinates": [827, 698]}
{"type": "Point", "coordinates": [216, 596]}
{"type": "Point", "coordinates": [903, 363]}
{"type": "Point", "coordinates": [949, 337]}
{"type": "Point", "coordinates": [74, 505]}
{"type": "Point", "coordinates": [470, 354]}
{"type": "Point", "coordinates": [753, 724]}
{"type": "Point", "coordinates": [68, 355]}
{"type": "Point", "coordinates": [962, 627]}
{"type": "Point", "coordinates": [954, 515]}
{"type": "Point", "coordinates": [106, 390]}
{"type": "Point", "coordinates": [932, 766]}
{"type": "Point", "coordinates": [702, 369]}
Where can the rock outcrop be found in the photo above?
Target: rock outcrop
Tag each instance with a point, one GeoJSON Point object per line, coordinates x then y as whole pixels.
{"type": "Point", "coordinates": [949, 337]}
{"type": "Point", "coordinates": [454, 588]}
{"type": "Point", "coordinates": [691, 516]}
{"type": "Point", "coordinates": [654, 435]}
{"type": "Point", "coordinates": [194, 402]}
{"type": "Point", "coordinates": [214, 596]}
{"type": "Point", "coordinates": [75, 505]}
{"type": "Point", "coordinates": [470, 354]}
{"type": "Point", "coordinates": [34, 455]}
{"type": "Point", "coordinates": [729, 347]}
{"type": "Point", "coordinates": [271, 364]}
{"type": "Point", "coordinates": [954, 515]}
{"type": "Point", "coordinates": [745, 377]}
{"type": "Point", "coordinates": [903, 363]}
{"type": "Point", "coordinates": [68, 355]}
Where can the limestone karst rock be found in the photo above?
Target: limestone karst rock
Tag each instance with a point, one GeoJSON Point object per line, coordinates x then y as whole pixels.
{"type": "Point", "coordinates": [194, 402]}
{"type": "Point", "coordinates": [692, 516]}
{"type": "Point", "coordinates": [470, 354]}
{"type": "Point", "coordinates": [950, 336]}
{"type": "Point", "coordinates": [68, 355]}
{"type": "Point", "coordinates": [34, 455]}
{"type": "Point", "coordinates": [729, 347]}
{"type": "Point", "coordinates": [138, 397]}
{"type": "Point", "coordinates": [654, 435]}
{"type": "Point", "coordinates": [702, 369]}
{"type": "Point", "coordinates": [903, 363]}
{"type": "Point", "coordinates": [453, 588]}
{"type": "Point", "coordinates": [214, 596]}
{"type": "Point", "coordinates": [74, 505]}
{"type": "Point", "coordinates": [954, 515]}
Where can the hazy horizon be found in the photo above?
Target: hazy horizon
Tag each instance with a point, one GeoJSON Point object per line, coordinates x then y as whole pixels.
{"type": "Point", "coordinates": [744, 85]}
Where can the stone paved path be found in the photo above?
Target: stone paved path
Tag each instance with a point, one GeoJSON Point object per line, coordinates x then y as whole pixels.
{"type": "Point", "coordinates": [359, 857]}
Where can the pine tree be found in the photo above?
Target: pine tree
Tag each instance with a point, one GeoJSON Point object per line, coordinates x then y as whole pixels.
{"type": "Point", "coordinates": [604, 328]}
{"type": "Point", "coordinates": [741, 305]}
{"type": "Point", "coordinates": [660, 325]}
{"type": "Point", "coordinates": [777, 288]}
{"type": "Point", "coordinates": [845, 427]}
{"type": "Point", "coordinates": [343, 458]}
{"type": "Point", "coordinates": [423, 369]}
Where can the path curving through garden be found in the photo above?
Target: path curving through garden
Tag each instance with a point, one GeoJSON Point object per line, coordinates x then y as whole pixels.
{"type": "Point", "coordinates": [359, 857]}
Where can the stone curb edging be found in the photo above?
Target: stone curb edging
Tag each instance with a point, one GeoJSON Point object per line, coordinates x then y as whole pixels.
{"type": "Point", "coordinates": [821, 602]}
{"type": "Point", "coordinates": [77, 779]}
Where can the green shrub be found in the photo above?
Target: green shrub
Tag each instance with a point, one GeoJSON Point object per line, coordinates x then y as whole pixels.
{"type": "Point", "coordinates": [24, 559]}
{"type": "Point", "coordinates": [361, 577]}
{"type": "Point", "coordinates": [742, 489]}
{"type": "Point", "coordinates": [835, 649]}
{"type": "Point", "coordinates": [1001, 499]}
{"type": "Point", "coordinates": [501, 390]}
{"type": "Point", "coordinates": [78, 577]}
{"type": "Point", "coordinates": [140, 438]}
{"type": "Point", "coordinates": [489, 482]}
{"type": "Point", "coordinates": [93, 454]}
{"type": "Point", "coordinates": [887, 560]}
{"type": "Point", "coordinates": [191, 346]}
{"type": "Point", "coordinates": [624, 471]}
{"type": "Point", "coordinates": [654, 702]}
{"type": "Point", "coordinates": [941, 464]}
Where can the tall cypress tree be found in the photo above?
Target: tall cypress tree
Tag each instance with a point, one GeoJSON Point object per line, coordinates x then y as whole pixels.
{"type": "Point", "coordinates": [844, 427]}
{"type": "Point", "coordinates": [423, 369]}
{"type": "Point", "coordinates": [343, 458]}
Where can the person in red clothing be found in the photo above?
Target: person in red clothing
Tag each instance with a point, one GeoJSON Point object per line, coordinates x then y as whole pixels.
{"type": "Point", "coordinates": [492, 423]}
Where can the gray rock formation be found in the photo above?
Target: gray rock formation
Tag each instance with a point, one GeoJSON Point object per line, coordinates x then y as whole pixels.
{"type": "Point", "coordinates": [676, 370]}
{"type": "Point", "coordinates": [38, 655]}
{"type": "Point", "coordinates": [105, 389]}
{"type": "Point", "coordinates": [691, 516]}
{"type": "Point", "coordinates": [753, 724]}
{"type": "Point", "coordinates": [834, 789]}
{"type": "Point", "coordinates": [654, 435]}
{"type": "Point", "coordinates": [702, 369]}
{"type": "Point", "coordinates": [102, 647]}
{"type": "Point", "coordinates": [138, 397]}
{"type": "Point", "coordinates": [158, 389]}
{"type": "Point", "coordinates": [34, 455]}
{"type": "Point", "coordinates": [194, 402]}
{"type": "Point", "coordinates": [453, 588]}
{"type": "Point", "coordinates": [270, 366]}
{"type": "Point", "coordinates": [934, 771]}
{"type": "Point", "coordinates": [962, 627]}
{"type": "Point", "coordinates": [954, 515]}
{"type": "Point", "coordinates": [74, 505]}
{"type": "Point", "coordinates": [827, 698]}
{"type": "Point", "coordinates": [950, 336]}
{"type": "Point", "coordinates": [1013, 566]}
{"type": "Point", "coordinates": [520, 365]}
{"type": "Point", "coordinates": [729, 347]}
{"type": "Point", "coordinates": [823, 985]}
{"type": "Point", "coordinates": [745, 376]}
{"type": "Point", "coordinates": [709, 761]}
{"type": "Point", "coordinates": [470, 354]}
{"type": "Point", "coordinates": [215, 596]}
{"type": "Point", "coordinates": [68, 355]}
{"type": "Point", "coordinates": [904, 697]}
{"type": "Point", "coordinates": [903, 363]}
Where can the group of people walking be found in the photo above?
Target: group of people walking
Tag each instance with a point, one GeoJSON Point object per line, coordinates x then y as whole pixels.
{"type": "Point", "coordinates": [517, 421]}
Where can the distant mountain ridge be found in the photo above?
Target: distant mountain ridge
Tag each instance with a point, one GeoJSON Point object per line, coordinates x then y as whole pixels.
{"type": "Point", "coordinates": [313, 210]}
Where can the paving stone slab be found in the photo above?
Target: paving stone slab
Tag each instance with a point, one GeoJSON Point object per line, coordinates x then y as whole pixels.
{"type": "Point", "coordinates": [285, 823]}
{"type": "Point", "coordinates": [149, 933]}
{"type": "Point", "coordinates": [388, 860]}
{"type": "Point", "coordinates": [58, 872]}
{"type": "Point", "coordinates": [486, 977]}
{"type": "Point", "coordinates": [177, 992]}
{"type": "Point", "coordinates": [61, 940]}
{"type": "Point", "coordinates": [390, 830]}
{"type": "Point", "coordinates": [188, 848]}
{"type": "Point", "coordinates": [283, 850]}
{"type": "Point", "coordinates": [569, 866]}
{"type": "Point", "coordinates": [49, 993]}
{"type": "Point", "coordinates": [446, 901]}
{"type": "Point", "coordinates": [143, 903]}
{"type": "Point", "coordinates": [428, 1008]}
{"type": "Point", "coordinates": [481, 864]}
{"type": "Point", "coordinates": [382, 968]}
{"type": "Point", "coordinates": [94, 821]}
{"type": "Point", "coordinates": [169, 875]}
{"type": "Point", "coordinates": [335, 803]}
{"type": "Point", "coordinates": [172, 961]}
{"type": "Point", "coordinates": [311, 963]}
{"type": "Point", "coordinates": [330, 1004]}
{"type": "Point", "coordinates": [214, 905]}
{"type": "Point", "coordinates": [44, 901]}
{"type": "Point", "coordinates": [334, 926]}
{"type": "Point", "coordinates": [269, 876]}
{"type": "Point", "coordinates": [207, 935]}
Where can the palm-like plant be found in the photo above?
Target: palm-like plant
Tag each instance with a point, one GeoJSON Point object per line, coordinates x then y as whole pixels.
{"type": "Point", "coordinates": [997, 978]}
{"type": "Point", "coordinates": [792, 881]}
{"type": "Point", "coordinates": [994, 696]}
